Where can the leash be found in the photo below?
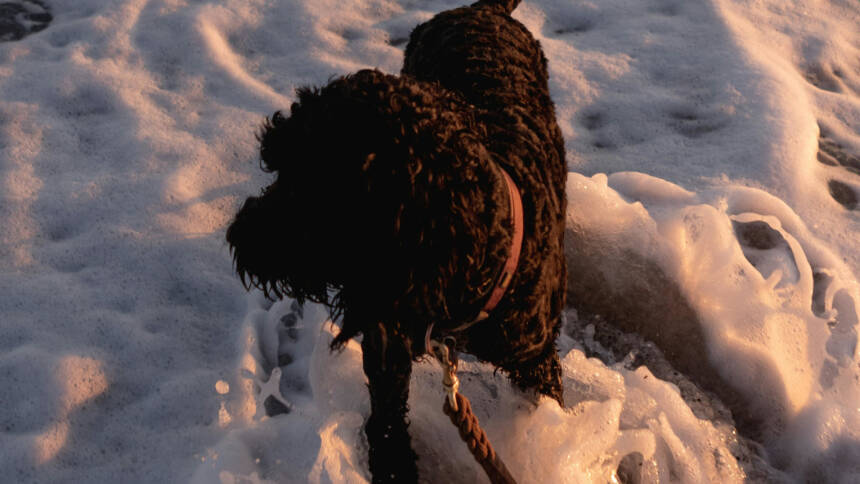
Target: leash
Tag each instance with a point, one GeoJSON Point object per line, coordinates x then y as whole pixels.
{"type": "Point", "coordinates": [459, 410]}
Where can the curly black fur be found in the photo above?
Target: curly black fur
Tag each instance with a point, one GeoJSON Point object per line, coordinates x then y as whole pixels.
{"type": "Point", "coordinates": [387, 207]}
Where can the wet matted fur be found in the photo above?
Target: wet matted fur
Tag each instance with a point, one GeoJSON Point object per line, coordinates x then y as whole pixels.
{"type": "Point", "coordinates": [389, 208]}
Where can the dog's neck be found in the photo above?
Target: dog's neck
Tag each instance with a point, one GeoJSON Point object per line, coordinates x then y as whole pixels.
{"type": "Point", "coordinates": [515, 207]}
{"type": "Point", "coordinates": [515, 215]}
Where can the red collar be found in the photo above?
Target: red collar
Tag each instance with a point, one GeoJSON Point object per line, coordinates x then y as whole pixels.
{"type": "Point", "coordinates": [504, 279]}
{"type": "Point", "coordinates": [516, 211]}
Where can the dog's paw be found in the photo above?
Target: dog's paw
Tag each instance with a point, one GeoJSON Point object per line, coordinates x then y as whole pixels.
{"type": "Point", "coordinates": [21, 18]}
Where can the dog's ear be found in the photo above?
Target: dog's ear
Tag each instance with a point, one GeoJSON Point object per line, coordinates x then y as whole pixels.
{"type": "Point", "coordinates": [274, 143]}
{"type": "Point", "coordinates": [279, 134]}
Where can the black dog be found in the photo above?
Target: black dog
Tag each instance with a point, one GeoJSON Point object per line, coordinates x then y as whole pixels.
{"type": "Point", "coordinates": [391, 206]}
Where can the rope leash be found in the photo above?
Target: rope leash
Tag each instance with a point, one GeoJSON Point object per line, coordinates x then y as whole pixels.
{"type": "Point", "coordinates": [459, 410]}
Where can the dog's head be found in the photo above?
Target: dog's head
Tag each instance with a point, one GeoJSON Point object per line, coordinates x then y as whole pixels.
{"type": "Point", "coordinates": [380, 199]}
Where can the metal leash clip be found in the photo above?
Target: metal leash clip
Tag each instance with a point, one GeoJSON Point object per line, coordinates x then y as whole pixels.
{"type": "Point", "coordinates": [447, 357]}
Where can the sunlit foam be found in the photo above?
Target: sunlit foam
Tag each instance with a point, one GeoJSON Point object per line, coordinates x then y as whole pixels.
{"type": "Point", "coordinates": [244, 403]}
{"type": "Point", "coordinates": [20, 187]}
{"type": "Point", "coordinates": [336, 457]}
{"type": "Point", "coordinates": [224, 417]}
{"type": "Point", "coordinates": [222, 54]}
{"type": "Point", "coordinates": [200, 218]}
{"type": "Point", "coordinates": [80, 379]}
{"type": "Point", "coordinates": [222, 387]}
{"type": "Point", "coordinates": [49, 443]}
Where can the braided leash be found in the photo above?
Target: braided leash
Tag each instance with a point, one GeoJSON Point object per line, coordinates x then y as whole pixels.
{"type": "Point", "coordinates": [459, 410]}
{"type": "Point", "coordinates": [476, 439]}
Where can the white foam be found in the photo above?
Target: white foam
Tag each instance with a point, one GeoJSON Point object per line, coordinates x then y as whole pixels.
{"type": "Point", "coordinates": [613, 412]}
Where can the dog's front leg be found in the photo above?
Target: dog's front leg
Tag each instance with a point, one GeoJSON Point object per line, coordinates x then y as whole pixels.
{"type": "Point", "coordinates": [388, 366]}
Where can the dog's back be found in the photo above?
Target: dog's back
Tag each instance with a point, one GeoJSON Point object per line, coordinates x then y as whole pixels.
{"type": "Point", "coordinates": [495, 63]}
{"type": "Point", "coordinates": [481, 52]}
